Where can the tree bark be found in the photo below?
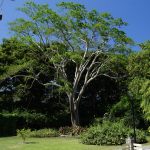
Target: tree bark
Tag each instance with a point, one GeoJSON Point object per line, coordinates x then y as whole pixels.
{"type": "Point", "coordinates": [74, 110]}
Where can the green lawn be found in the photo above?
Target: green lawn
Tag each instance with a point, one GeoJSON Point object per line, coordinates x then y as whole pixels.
{"type": "Point", "coordinates": [15, 143]}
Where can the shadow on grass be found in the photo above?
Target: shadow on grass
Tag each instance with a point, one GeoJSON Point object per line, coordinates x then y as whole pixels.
{"type": "Point", "coordinates": [28, 142]}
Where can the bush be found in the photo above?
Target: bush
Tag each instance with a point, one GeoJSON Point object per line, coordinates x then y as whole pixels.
{"type": "Point", "coordinates": [44, 133]}
{"type": "Point", "coordinates": [110, 133]}
{"type": "Point", "coordinates": [140, 136]}
{"type": "Point", "coordinates": [65, 130]}
{"type": "Point", "coordinates": [74, 131]}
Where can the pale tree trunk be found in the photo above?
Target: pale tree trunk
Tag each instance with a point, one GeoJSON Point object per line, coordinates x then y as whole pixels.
{"type": "Point", "coordinates": [74, 111]}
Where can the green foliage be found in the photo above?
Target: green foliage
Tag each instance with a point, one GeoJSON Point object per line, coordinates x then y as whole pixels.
{"type": "Point", "coordinates": [110, 133]}
{"type": "Point", "coordinates": [13, 57]}
{"type": "Point", "coordinates": [122, 110]}
{"type": "Point", "coordinates": [140, 136]}
{"type": "Point", "coordinates": [119, 108]}
{"type": "Point", "coordinates": [23, 133]}
{"type": "Point", "coordinates": [30, 119]}
{"type": "Point", "coordinates": [43, 133]}
{"type": "Point", "coordinates": [145, 92]}
{"type": "Point", "coordinates": [79, 27]}
{"type": "Point", "coordinates": [145, 45]}
{"type": "Point", "coordinates": [13, 69]}
{"type": "Point", "coordinates": [33, 117]}
{"type": "Point", "coordinates": [139, 71]}
{"type": "Point", "coordinates": [105, 134]}
{"type": "Point", "coordinates": [137, 62]}
{"type": "Point", "coordinates": [117, 64]}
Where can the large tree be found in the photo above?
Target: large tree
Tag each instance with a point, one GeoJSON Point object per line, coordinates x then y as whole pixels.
{"type": "Point", "coordinates": [85, 39]}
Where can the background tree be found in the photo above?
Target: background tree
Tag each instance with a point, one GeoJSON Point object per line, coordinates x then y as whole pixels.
{"type": "Point", "coordinates": [85, 39]}
{"type": "Point", "coordinates": [22, 95]}
{"type": "Point", "coordinates": [139, 70]}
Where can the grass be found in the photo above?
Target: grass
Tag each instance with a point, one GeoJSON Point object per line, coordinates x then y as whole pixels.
{"type": "Point", "coordinates": [58, 143]}
{"type": "Point", "coordinates": [61, 143]}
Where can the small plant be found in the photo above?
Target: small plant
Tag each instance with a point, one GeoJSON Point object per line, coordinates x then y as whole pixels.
{"type": "Point", "coordinates": [23, 133]}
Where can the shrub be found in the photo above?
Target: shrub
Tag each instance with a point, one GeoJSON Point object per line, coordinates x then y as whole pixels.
{"type": "Point", "coordinates": [78, 130]}
{"type": "Point", "coordinates": [23, 133]}
{"type": "Point", "coordinates": [74, 131]}
{"type": "Point", "coordinates": [109, 133]}
{"type": "Point", "coordinates": [44, 133]}
{"type": "Point", "coordinates": [140, 136]}
{"type": "Point", "coordinates": [65, 130]}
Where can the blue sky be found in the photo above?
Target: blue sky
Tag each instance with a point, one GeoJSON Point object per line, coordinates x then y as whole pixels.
{"type": "Point", "coordinates": [135, 12]}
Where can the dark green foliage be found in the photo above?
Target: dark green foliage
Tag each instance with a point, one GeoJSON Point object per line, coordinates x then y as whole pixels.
{"type": "Point", "coordinates": [10, 122]}
{"type": "Point", "coordinates": [99, 97]}
{"type": "Point", "coordinates": [39, 120]}
{"type": "Point", "coordinates": [31, 120]}
{"type": "Point", "coordinates": [110, 133]}
{"type": "Point", "coordinates": [123, 110]}
{"type": "Point", "coordinates": [7, 124]}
